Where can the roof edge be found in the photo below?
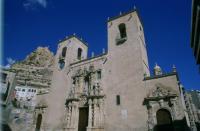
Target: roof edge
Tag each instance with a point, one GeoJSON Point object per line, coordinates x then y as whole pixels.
{"type": "Point", "coordinates": [121, 15]}
{"type": "Point", "coordinates": [161, 76]}
{"type": "Point", "coordinates": [98, 56]}
{"type": "Point", "coordinates": [74, 36]}
{"type": "Point", "coordinates": [126, 13]}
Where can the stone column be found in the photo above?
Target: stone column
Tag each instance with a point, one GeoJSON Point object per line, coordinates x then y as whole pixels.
{"type": "Point", "coordinates": [100, 90]}
{"type": "Point", "coordinates": [76, 116]}
{"type": "Point", "coordinates": [70, 116]}
{"type": "Point", "coordinates": [92, 80]}
{"type": "Point", "coordinates": [73, 114]}
{"type": "Point", "coordinates": [67, 116]}
{"type": "Point", "coordinates": [150, 117]}
{"type": "Point", "coordinates": [95, 112]}
{"type": "Point", "coordinates": [101, 112]}
{"type": "Point", "coordinates": [90, 85]}
{"type": "Point", "coordinates": [81, 81]}
{"type": "Point", "coordinates": [174, 110]}
{"type": "Point", "coordinates": [90, 113]}
{"type": "Point", "coordinates": [77, 87]}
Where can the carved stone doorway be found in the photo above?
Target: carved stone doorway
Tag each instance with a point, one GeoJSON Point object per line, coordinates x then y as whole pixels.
{"type": "Point", "coordinates": [83, 119]}
{"type": "Point", "coordinates": [164, 121]}
{"type": "Point", "coordinates": [38, 123]}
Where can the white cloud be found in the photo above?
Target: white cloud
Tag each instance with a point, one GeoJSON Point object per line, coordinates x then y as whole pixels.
{"type": "Point", "coordinates": [34, 4]}
{"type": "Point", "coordinates": [7, 66]}
{"type": "Point", "coordinates": [10, 61]}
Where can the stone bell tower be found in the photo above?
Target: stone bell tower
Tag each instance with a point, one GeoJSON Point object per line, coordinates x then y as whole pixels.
{"type": "Point", "coordinates": [126, 40]}
{"type": "Point", "coordinates": [70, 50]}
{"type": "Point", "coordinates": [126, 67]}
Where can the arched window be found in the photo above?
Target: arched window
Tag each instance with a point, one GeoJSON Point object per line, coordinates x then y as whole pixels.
{"type": "Point", "coordinates": [122, 30]}
{"type": "Point", "coordinates": [38, 123]}
{"type": "Point", "coordinates": [79, 55]}
{"type": "Point", "coordinates": [64, 50]}
{"type": "Point", "coordinates": [61, 64]}
{"type": "Point", "coordinates": [164, 120]}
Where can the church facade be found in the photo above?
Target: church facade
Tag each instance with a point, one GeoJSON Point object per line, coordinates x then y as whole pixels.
{"type": "Point", "coordinates": [113, 91]}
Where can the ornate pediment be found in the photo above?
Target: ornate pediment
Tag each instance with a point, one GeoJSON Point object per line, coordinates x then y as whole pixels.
{"type": "Point", "coordinates": [161, 91]}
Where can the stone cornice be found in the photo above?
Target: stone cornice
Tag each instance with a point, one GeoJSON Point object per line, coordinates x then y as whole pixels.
{"type": "Point", "coordinates": [92, 58]}
{"type": "Point", "coordinates": [161, 76]}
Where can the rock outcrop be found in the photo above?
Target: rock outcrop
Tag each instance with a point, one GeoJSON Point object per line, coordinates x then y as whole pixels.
{"type": "Point", "coordinates": [36, 69]}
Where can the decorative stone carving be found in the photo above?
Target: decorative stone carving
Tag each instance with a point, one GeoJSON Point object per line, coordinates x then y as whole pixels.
{"type": "Point", "coordinates": [91, 68]}
{"type": "Point", "coordinates": [161, 97]}
{"type": "Point", "coordinates": [82, 101]}
{"type": "Point", "coordinates": [160, 92]}
{"type": "Point", "coordinates": [89, 95]}
{"type": "Point", "coordinates": [150, 120]}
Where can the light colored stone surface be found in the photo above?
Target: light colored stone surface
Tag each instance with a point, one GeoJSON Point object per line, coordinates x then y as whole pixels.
{"type": "Point", "coordinates": [124, 72]}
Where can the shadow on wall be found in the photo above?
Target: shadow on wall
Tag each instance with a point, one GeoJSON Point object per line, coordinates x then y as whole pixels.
{"type": "Point", "coordinates": [198, 126]}
{"type": "Point", "coordinates": [177, 125]}
{"type": "Point", "coordinates": [5, 127]}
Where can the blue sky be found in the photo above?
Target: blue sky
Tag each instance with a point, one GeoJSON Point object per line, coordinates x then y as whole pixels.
{"type": "Point", "coordinates": [32, 23]}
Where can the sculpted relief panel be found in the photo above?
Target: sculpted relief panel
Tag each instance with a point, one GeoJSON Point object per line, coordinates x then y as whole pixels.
{"type": "Point", "coordinates": [86, 96]}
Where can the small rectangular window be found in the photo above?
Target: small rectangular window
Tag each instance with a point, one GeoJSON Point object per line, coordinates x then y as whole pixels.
{"type": "Point", "coordinates": [98, 74]}
{"type": "Point", "coordinates": [64, 51]}
{"type": "Point", "coordinates": [74, 81]}
{"type": "Point", "coordinates": [118, 99]}
{"type": "Point", "coordinates": [79, 54]}
{"type": "Point", "coordinates": [122, 29]}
